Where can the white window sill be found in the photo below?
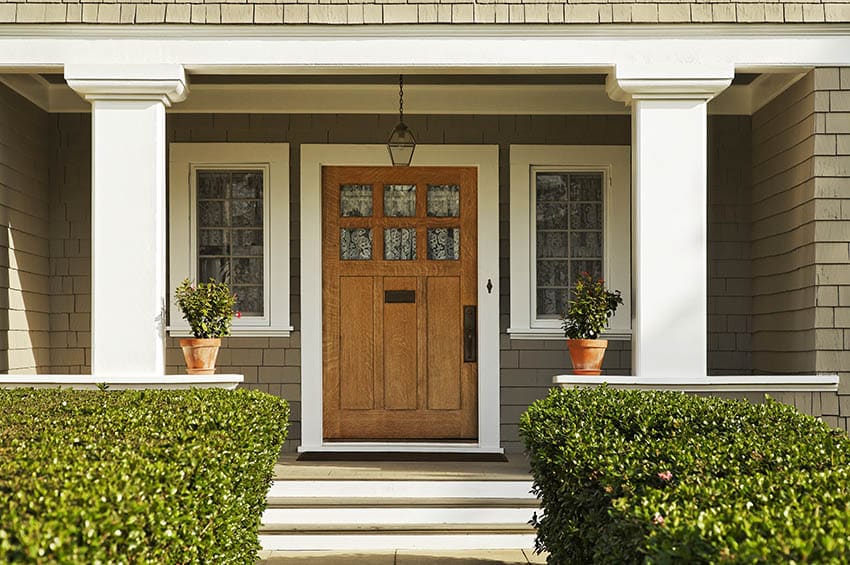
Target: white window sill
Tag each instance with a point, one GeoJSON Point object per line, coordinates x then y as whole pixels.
{"type": "Point", "coordinates": [743, 383]}
{"type": "Point", "coordinates": [237, 332]}
{"type": "Point", "coordinates": [550, 333]}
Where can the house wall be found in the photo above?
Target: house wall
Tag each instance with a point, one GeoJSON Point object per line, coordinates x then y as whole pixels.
{"type": "Point", "coordinates": [729, 245]}
{"type": "Point", "coordinates": [783, 242]}
{"type": "Point", "coordinates": [70, 243]}
{"type": "Point", "coordinates": [420, 11]}
{"type": "Point", "coordinates": [24, 264]}
{"type": "Point", "coordinates": [831, 227]}
{"type": "Point", "coordinates": [801, 238]}
{"type": "Point", "coordinates": [273, 364]}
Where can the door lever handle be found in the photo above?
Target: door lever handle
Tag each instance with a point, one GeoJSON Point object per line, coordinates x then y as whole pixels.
{"type": "Point", "coordinates": [470, 334]}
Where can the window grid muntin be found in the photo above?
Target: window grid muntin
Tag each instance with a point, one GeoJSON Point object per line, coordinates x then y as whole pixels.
{"type": "Point", "coordinates": [574, 263]}
{"type": "Point", "coordinates": [256, 262]}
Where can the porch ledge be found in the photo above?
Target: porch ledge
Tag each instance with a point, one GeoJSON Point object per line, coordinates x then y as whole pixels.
{"type": "Point", "coordinates": [744, 383]}
{"type": "Point", "coordinates": [91, 382]}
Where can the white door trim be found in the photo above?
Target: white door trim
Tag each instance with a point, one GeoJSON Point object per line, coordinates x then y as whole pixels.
{"type": "Point", "coordinates": [486, 159]}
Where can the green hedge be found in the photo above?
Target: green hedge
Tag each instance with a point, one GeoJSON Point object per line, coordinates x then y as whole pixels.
{"type": "Point", "coordinates": [135, 476]}
{"type": "Point", "coordinates": [666, 477]}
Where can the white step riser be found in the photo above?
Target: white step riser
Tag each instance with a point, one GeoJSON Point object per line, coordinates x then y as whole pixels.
{"type": "Point", "coordinates": [396, 516]}
{"type": "Point", "coordinates": [402, 489]}
{"type": "Point", "coordinates": [378, 542]}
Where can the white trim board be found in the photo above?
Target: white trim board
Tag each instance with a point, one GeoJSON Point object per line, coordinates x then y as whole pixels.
{"type": "Point", "coordinates": [426, 48]}
{"type": "Point", "coordinates": [486, 159]}
{"type": "Point", "coordinates": [92, 382]}
{"type": "Point", "coordinates": [614, 162]}
{"type": "Point", "coordinates": [273, 159]}
{"type": "Point", "coordinates": [744, 383]}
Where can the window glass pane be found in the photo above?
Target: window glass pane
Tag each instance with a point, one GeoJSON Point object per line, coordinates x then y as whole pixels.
{"type": "Point", "coordinates": [586, 244]}
{"type": "Point", "coordinates": [355, 244]}
{"type": "Point", "coordinates": [230, 234]}
{"type": "Point", "coordinates": [552, 187]}
{"type": "Point", "coordinates": [247, 242]}
{"type": "Point", "coordinates": [552, 244]}
{"type": "Point", "coordinates": [568, 212]}
{"type": "Point", "coordinates": [355, 200]}
{"type": "Point", "coordinates": [443, 200]}
{"type": "Point", "coordinates": [247, 184]}
{"type": "Point", "coordinates": [213, 242]}
{"type": "Point", "coordinates": [212, 213]}
{"type": "Point", "coordinates": [443, 244]}
{"type": "Point", "coordinates": [551, 215]}
{"type": "Point", "coordinates": [399, 200]}
{"type": "Point", "coordinates": [551, 273]}
{"type": "Point", "coordinates": [586, 187]}
{"type": "Point", "coordinates": [552, 302]}
{"type": "Point", "coordinates": [212, 184]}
{"type": "Point", "coordinates": [399, 244]}
{"type": "Point", "coordinates": [586, 216]}
{"type": "Point", "coordinates": [594, 268]}
{"type": "Point", "coordinates": [249, 298]}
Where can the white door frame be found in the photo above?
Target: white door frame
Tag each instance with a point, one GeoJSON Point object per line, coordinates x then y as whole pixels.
{"type": "Point", "coordinates": [486, 159]}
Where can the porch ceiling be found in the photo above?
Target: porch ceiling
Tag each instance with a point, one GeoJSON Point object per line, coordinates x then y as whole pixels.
{"type": "Point", "coordinates": [579, 93]}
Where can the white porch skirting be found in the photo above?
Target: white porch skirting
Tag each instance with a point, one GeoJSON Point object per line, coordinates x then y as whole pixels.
{"type": "Point", "coordinates": [91, 382]}
{"type": "Point", "coordinates": [745, 383]}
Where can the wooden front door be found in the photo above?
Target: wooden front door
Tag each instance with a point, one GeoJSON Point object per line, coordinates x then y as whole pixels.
{"type": "Point", "coordinates": [399, 311]}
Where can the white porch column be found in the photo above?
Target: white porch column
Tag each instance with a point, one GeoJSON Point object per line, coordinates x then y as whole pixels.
{"type": "Point", "coordinates": [669, 214]}
{"type": "Point", "coordinates": [128, 211]}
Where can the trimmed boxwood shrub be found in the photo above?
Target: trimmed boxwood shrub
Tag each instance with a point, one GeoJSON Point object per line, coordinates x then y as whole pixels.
{"type": "Point", "coordinates": [135, 476]}
{"type": "Point", "coordinates": [667, 477]}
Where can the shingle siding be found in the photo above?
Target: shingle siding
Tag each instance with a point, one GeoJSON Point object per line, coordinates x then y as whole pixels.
{"type": "Point", "coordinates": [24, 251]}
{"type": "Point", "coordinates": [351, 12]}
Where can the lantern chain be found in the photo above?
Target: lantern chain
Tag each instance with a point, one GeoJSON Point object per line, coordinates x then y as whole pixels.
{"type": "Point", "coordinates": [401, 98]}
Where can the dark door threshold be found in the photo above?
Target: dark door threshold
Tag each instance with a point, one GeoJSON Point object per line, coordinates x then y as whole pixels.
{"type": "Point", "coordinates": [399, 456]}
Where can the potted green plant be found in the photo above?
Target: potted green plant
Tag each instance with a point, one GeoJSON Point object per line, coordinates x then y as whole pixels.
{"type": "Point", "coordinates": [586, 317]}
{"type": "Point", "coordinates": [208, 307]}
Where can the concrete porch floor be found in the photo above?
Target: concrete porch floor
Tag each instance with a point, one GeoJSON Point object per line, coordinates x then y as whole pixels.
{"type": "Point", "coordinates": [515, 469]}
{"type": "Point", "coordinates": [502, 557]}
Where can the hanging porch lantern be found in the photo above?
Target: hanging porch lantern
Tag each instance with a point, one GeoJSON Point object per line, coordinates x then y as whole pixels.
{"type": "Point", "coordinates": [401, 143]}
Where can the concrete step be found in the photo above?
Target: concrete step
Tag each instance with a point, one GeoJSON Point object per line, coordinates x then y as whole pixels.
{"type": "Point", "coordinates": [397, 514]}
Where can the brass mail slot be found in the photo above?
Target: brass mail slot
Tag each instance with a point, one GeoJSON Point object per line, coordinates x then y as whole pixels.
{"type": "Point", "coordinates": [399, 296]}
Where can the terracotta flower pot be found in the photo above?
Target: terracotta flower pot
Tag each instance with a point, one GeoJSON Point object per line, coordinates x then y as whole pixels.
{"type": "Point", "coordinates": [200, 354]}
{"type": "Point", "coordinates": [587, 355]}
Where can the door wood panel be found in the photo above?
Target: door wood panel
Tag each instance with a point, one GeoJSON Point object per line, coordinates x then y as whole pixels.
{"type": "Point", "coordinates": [393, 328]}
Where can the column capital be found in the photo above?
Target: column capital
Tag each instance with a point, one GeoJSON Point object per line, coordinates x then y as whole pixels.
{"type": "Point", "coordinates": [666, 82]}
{"type": "Point", "coordinates": [166, 83]}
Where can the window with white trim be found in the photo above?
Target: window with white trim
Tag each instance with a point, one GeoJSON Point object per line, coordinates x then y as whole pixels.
{"type": "Point", "coordinates": [229, 221]}
{"type": "Point", "coordinates": [570, 210]}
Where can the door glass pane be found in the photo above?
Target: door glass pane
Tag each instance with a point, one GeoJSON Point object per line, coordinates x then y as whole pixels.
{"type": "Point", "coordinates": [230, 233]}
{"type": "Point", "coordinates": [399, 200]}
{"type": "Point", "coordinates": [400, 244]}
{"type": "Point", "coordinates": [443, 200]}
{"type": "Point", "coordinates": [443, 244]}
{"type": "Point", "coordinates": [355, 244]}
{"type": "Point", "coordinates": [355, 200]}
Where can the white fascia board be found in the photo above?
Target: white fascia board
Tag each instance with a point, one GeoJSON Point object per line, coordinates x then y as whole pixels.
{"type": "Point", "coordinates": [419, 48]}
{"type": "Point", "coordinates": [743, 383]}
